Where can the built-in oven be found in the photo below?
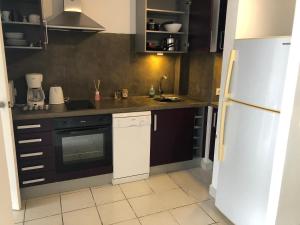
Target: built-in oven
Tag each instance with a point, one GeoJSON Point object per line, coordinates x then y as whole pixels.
{"type": "Point", "coordinates": [83, 146]}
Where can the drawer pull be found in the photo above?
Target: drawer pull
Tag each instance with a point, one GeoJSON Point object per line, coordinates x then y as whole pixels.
{"type": "Point", "coordinates": [33, 168]}
{"type": "Point", "coordinates": [30, 141]}
{"type": "Point", "coordinates": [34, 181]}
{"type": "Point", "coordinates": [31, 154]}
{"type": "Point", "coordinates": [29, 127]}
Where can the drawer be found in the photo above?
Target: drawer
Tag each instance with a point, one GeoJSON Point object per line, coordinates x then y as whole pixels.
{"type": "Point", "coordinates": [36, 179]}
{"type": "Point", "coordinates": [36, 165]}
{"type": "Point", "coordinates": [34, 139]}
{"type": "Point", "coordinates": [30, 126]}
{"type": "Point", "coordinates": [34, 153]}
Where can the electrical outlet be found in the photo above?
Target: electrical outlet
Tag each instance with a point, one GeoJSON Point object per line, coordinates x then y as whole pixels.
{"type": "Point", "coordinates": [218, 90]}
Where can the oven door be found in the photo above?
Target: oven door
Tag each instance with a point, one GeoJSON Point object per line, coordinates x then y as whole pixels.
{"type": "Point", "coordinates": [84, 148]}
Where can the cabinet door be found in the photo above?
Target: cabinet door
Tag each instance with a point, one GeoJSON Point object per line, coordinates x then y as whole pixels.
{"type": "Point", "coordinates": [200, 25]}
{"type": "Point", "coordinates": [172, 136]}
{"type": "Point", "coordinates": [213, 134]}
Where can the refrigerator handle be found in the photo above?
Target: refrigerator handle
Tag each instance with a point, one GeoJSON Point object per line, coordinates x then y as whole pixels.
{"type": "Point", "coordinates": [222, 129]}
{"type": "Point", "coordinates": [229, 73]}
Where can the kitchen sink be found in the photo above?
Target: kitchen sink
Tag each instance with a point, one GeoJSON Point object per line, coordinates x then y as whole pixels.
{"type": "Point", "coordinates": [168, 99]}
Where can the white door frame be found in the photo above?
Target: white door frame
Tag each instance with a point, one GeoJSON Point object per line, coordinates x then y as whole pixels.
{"type": "Point", "coordinates": [5, 203]}
{"type": "Point", "coordinates": [8, 133]}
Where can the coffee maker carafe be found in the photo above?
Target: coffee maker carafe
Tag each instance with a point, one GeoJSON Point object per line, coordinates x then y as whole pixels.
{"type": "Point", "coordinates": [35, 93]}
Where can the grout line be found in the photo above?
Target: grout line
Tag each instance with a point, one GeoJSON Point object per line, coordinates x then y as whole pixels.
{"type": "Point", "coordinates": [206, 213]}
{"type": "Point", "coordinates": [25, 203]}
{"type": "Point", "coordinates": [128, 202]}
{"type": "Point", "coordinates": [60, 200]}
{"type": "Point", "coordinates": [173, 217]}
{"type": "Point", "coordinates": [96, 206]}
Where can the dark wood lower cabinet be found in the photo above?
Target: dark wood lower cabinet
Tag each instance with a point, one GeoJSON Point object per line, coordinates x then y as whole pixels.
{"type": "Point", "coordinates": [172, 136]}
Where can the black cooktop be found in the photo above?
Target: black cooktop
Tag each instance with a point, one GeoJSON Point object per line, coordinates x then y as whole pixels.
{"type": "Point", "coordinates": [79, 105]}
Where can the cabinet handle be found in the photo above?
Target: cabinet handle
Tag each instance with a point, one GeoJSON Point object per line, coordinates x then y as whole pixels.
{"type": "Point", "coordinates": [215, 120]}
{"type": "Point", "coordinates": [222, 129]}
{"type": "Point", "coordinates": [46, 32]}
{"type": "Point", "coordinates": [34, 181]}
{"type": "Point", "coordinates": [30, 141]}
{"type": "Point", "coordinates": [29, 127]}
{"type": "Point", "coordinates": [155, 122]}
{"type": "Point", "coordinates": [33, 168]}
{"type": "Point", "coordinates": [233, 56]}
{"type": "Point", "coordinates": [31, 154]}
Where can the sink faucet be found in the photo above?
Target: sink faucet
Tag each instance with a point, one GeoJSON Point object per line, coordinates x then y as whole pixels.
{"type": "Point", "coordinates": [160, 90]}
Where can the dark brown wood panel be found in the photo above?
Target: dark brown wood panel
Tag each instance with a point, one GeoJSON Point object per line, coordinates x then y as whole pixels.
{"type": "Point", "coordinates": [200, 25]}
{"type": "Point", "coordinates": [172, 141]}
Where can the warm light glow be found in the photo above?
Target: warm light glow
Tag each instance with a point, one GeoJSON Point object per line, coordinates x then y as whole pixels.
{"type": "Point", "coordinates": [155, 62]}
{"type": "Point", "coordinates": [160, 54]}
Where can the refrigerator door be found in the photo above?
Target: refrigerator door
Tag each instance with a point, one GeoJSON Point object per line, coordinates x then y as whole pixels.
{"type": "Point", "coordinates": [245, 174]}
{"type": "Point", "coordinates": [259, 72]}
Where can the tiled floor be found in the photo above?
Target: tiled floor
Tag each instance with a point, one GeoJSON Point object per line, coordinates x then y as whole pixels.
{"type": "Point", "coordinates": [179, 198]}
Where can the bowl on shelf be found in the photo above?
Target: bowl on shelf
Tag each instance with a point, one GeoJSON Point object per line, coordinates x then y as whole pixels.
{"type": "Point", "coordinates": [173, 27]}
{"type": "Point", "coordinates": [14, 35]}
{"type": "Point", "coordinates": [16, 42]}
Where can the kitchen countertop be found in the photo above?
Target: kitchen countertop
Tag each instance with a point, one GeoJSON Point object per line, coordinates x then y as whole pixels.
{"type": "Point", "coordinates": [109, 106]}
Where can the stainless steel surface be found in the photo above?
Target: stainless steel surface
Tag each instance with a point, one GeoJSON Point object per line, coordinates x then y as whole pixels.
{"type": "Point", "coordinates": [30, 168]}
{"type": "Point", "coordinates": [168, 99]}
{"type": "Point", "coordinates": [73, 19]}
{"type": "Point", "coordinates": [155, 123]}
{"type": "Point", "coordinates": [34, 181]}
{"type": "Point", "coordinates": [30, 141]}
{"type": "Point", "coordinates": [160, 90]}
{"type": "Point", "coordinates": [215, 25]}
{"type": "Point", "coordinates": [28, 127]}
{"type": "Point", "coordinates": [29, 155]}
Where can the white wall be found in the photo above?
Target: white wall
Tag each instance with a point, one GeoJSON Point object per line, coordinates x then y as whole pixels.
{"type": "Point", "coordinates": [289, 206]}
{"type": "Point", "coordinates": [117, 16]}
{"type": "Point", "coordinates": [261, 18]}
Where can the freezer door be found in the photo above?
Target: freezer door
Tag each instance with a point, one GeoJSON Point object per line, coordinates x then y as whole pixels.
{"type": "Point", "coordinates": [259, 72]}
{"type": "Point", "coordinates": [245, 174]}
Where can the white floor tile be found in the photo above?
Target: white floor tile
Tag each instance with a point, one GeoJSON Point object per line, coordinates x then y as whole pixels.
{"type": "Point", "coordinates": [158, 202]}
{"type": "Point", "coordinates": [213, 212]}
{"type": "Point", "coordinates": [52, 220]}
{"type": "Point", "coordinates": [161, 183]}
{"type": "Point", "coordinates": [18, 215]}
{"type": "Point", "coordinates": [107, 194]}
{"type": "Point", "coordinates": [191, 215]}
{"type": "Point", "coordinates": [77, 200]}
{"type": "Point", "coordinates": [130, 222]}
{"type": "Point", "coordinates": [135, 189]}
{"type": "Point", "coordinates": [191, 185]}
{"type": "Point", "coordinates": [116, 212]}
{"type": "Point", "coordinates": [87, 216]}
{"type": "Point", "coordinates": [164, 218]}
{"type": "Point", "coordinates": [42, 207]}
{"type": "Point", "coordinates": [146, 205]}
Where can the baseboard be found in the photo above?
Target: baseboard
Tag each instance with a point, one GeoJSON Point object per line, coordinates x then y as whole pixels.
{"type": "Point", "coordinates": [130, 179]}
{"type": "Point", "coordinates": [212, 191]}
{"type": "Point", "coordinates": [206, 164]}
{"type": "Point", "coordinates": [71, 185]}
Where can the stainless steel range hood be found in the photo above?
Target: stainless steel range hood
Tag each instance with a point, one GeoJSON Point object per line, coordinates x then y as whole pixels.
{"type": "Point", "coordinates": [73, 19]}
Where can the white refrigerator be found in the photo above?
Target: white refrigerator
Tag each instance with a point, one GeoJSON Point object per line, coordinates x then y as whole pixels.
{"type": "Point", "coordinates": [249, 122]}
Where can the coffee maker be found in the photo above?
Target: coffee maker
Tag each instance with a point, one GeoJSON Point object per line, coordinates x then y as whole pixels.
{"type": "Point", "coordinates": [35, 93]}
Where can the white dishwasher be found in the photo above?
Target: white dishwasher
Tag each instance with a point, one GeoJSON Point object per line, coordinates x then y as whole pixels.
{"type": "Point", "coordinates": [131, 146]}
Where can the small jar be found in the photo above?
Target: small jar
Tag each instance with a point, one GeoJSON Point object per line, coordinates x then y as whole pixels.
{"type": "Point", "coordinates": [97, 96]}
{"type": "Point", "coordinates": [124, 93]}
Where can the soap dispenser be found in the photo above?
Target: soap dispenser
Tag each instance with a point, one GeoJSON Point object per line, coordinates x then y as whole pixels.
{"type": "Point", "coordinates": [151, 91]}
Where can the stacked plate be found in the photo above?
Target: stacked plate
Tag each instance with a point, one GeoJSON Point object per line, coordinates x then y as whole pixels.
{"type": "Point", "coordinates": [15, 39]}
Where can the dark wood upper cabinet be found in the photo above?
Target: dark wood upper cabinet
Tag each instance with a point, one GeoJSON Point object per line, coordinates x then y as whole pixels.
{"type": "Point", "coordinates": [200, 25]}
{"type": "Point", "coordinates": [207, 25]}
{"type": "Point", "coordinates": [172, 136]}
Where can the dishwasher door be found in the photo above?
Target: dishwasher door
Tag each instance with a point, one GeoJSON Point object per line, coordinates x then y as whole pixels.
{"type": "Point", "coordinates": [131, 146]}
